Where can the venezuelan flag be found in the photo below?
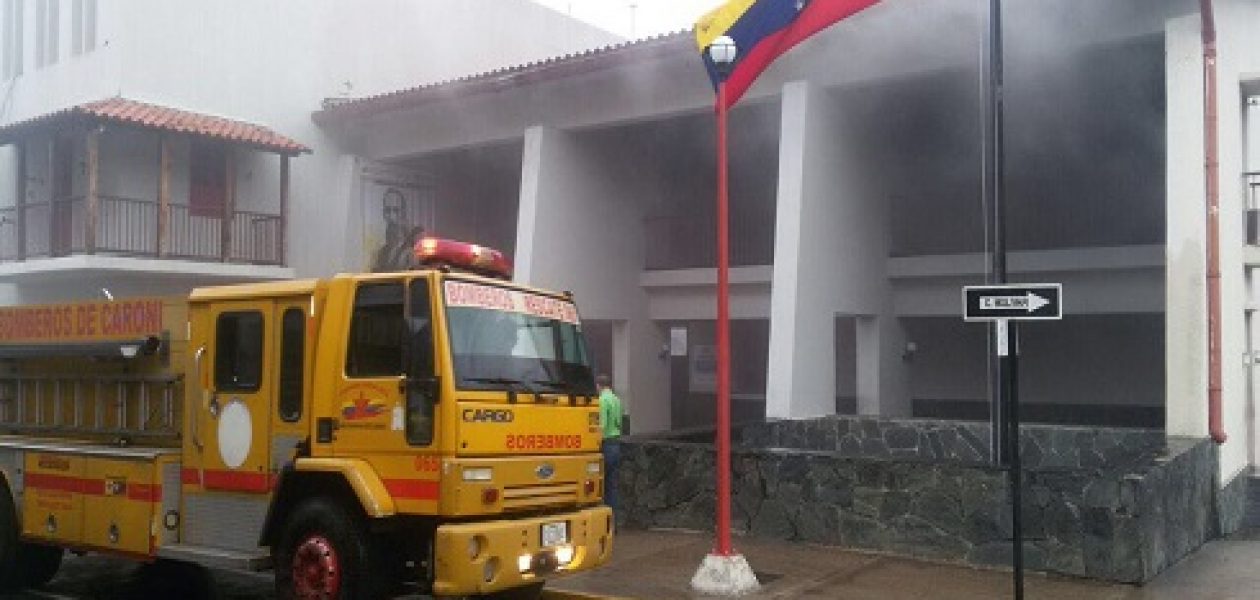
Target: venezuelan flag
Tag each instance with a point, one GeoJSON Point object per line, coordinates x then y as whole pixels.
{"type": "Point", "coordinates": [763, 30]}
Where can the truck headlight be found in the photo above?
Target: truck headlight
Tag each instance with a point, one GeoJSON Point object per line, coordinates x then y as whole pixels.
{"type": "Point", "coordinates": [564, 555]}
{"type": "Point", "coordinates": [478, 474]}
{"type": "Point", "coordinates": [592, 468]}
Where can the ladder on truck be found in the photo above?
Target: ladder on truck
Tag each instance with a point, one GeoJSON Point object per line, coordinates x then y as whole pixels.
{"type": "Point", "coordinates": [121, 407]}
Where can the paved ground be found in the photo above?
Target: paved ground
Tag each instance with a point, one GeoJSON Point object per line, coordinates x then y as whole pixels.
{"type": "Point", "coordinates": [658, 566]}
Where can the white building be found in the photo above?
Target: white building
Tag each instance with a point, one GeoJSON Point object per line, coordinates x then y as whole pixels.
{"type": "Point", "coordinates": [220, 89]}
{"type": "Point", "coordinates": [856, 195]}
{"type": "Point", "coordinates": [858, 213]}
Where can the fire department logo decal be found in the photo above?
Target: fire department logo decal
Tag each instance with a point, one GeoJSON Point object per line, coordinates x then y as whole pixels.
{"type": "Point", "coordinates": [363, 403]}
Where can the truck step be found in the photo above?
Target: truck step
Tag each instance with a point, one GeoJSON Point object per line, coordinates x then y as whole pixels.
{"type": "Point", "coordinates": [218, 558]}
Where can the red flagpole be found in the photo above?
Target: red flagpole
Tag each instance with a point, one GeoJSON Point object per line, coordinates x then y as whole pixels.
{"type": "Point", "coordinates": [723, 344]}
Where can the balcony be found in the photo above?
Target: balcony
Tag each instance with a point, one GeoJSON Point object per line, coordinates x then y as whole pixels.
{"type": "Point", "coordinates": [103, 183]}
{"type": "Point", "coordinates": [134, 227]}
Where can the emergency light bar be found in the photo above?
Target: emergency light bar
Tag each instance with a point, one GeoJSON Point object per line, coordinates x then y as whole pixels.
{"type": "Point", "coordinates": [462, 255]}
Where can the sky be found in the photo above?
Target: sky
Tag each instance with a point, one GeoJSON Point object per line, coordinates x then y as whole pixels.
{"type": "Point", "coordinates": [635, 18]}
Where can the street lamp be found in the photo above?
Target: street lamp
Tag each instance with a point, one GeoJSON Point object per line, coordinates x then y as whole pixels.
{"type": "Point", "coordinates": [723, 572]}
{"type": "Point", "coordinates": [722, 52]}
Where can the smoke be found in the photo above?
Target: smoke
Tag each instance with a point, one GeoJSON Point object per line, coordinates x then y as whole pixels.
{"type": "Point", "coordinates": [1085, 117]}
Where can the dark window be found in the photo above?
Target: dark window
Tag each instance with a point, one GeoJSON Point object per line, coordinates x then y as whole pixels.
{"type": "Point", "coordinates": [421, 384]}
{"type": "Point", "coordinates": [292, 357]}
{"type": "Point", "coordinates": [376, 331]}
{"type": "Point", "coordinates": [238, 361]}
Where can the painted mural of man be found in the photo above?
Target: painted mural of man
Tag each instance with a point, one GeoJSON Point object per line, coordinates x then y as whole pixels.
{"type": "Point", "coordinates": [395, 254]}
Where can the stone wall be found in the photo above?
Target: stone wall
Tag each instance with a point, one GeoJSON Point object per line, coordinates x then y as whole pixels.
{"type": "Point", "coordinates": [1119, 505]}
{"type": "Point", "coordinates": [955, 441]}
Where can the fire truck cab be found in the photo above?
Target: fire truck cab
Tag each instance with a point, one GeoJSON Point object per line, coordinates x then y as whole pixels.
{"type": "Point", "coordinates": [435, 428]}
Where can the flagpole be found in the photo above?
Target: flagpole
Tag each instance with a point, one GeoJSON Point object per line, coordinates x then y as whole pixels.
{"type": "Point", "coordinates": [723, 572]}
{"type": "Point", "coordinates": [723, 341]}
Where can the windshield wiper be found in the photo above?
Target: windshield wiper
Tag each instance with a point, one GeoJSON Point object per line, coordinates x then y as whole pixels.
{"type": "Point", "coordinates": [552, 383]}
{"type": "Point", "coordinates": [498, 380]}
{"type": "Point", "coordinates": [508, 381]}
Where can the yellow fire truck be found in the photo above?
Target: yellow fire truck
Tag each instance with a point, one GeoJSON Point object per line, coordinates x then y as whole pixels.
{"type": "Point", "coordinates": [360, 435]}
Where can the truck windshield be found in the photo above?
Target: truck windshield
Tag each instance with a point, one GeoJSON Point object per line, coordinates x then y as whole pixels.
{"type": "Point", "coordinates": [510, 339]}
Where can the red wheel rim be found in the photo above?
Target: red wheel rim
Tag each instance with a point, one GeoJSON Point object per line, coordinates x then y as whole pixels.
{"type": "Point", "coordinates": [316, 569]}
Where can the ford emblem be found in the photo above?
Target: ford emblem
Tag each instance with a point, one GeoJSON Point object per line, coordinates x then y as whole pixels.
{"type": "Point", "coordinates": [545, 471]}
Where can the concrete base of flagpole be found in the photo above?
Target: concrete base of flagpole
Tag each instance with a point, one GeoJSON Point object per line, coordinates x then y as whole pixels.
{"type": "Point", "coordinates": [722, 575]}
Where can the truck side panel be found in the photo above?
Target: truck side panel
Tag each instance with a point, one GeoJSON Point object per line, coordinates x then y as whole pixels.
{"type": "Point", "coordinates": [52, 509]}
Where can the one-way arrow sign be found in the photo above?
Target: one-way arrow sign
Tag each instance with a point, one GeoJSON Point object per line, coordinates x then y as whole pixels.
{"type": "Point", "coordinates": [1020, 302]}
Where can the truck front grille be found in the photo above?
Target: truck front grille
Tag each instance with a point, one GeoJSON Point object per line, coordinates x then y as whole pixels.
{"type": "Point", "coordinates": [533, 496]}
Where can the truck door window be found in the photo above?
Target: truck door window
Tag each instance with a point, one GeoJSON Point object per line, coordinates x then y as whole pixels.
{"type": "Point", "coordinates": [420, 370]}
{"type": "Point", "coordinates": [376, 331]}
{"type": "Point", "coordinates": [292, 355]}
{"type": "Point", "coordinates": [238, 351]}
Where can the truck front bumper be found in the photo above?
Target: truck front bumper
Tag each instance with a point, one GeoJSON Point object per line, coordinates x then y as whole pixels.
{"type": "Point", "coordinates": [487, 556]}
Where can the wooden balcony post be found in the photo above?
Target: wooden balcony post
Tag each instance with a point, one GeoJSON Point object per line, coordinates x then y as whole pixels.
{"type": "Point", "coordinates": [92, 210]}
{"type": "Point", "coordinates": [20, 201]}
{"type": "Point", "coordinates": [164, 197]}
{"type": "Point", "coordinates": [229, 204]}
{"type": "Point", "coordinates": [284, 210]}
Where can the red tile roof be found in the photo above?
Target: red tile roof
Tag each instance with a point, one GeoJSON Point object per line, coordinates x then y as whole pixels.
{"type": "Point", "coordinates": [668, 44]}
{"type": "Point", "coordinates": [152, 116]}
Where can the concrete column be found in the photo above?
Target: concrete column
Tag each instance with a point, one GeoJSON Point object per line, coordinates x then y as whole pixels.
{"type": "Point", "coordinates": [1186, 299]}
{"type": "Point", "coordinates": [831, 254]}
{"type": "Point", "coordinates": [580, 229]}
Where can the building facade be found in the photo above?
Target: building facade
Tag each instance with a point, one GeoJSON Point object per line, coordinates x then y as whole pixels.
{"type": "Point", "coordinates": [141, 167]}
{"type": "Point", "coordinates": [858, 211]}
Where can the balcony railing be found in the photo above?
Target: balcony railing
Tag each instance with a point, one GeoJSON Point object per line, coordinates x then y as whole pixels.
{"type": "Point", "coordinates": [129, 227]}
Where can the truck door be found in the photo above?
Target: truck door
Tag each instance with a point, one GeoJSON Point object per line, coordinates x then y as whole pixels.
{"type": "Point", "coordinates": [227, 472]}
{"type": "Point", "coordinates": [234, 423]}
{"type": "Point", "coordinates": [369, 401]}
{"type": "Point", "coordinates": [389, 370]}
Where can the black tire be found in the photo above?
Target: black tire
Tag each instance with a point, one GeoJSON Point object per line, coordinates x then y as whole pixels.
{"type": "Point", "coordinates": [10, 547]}
{"type": "Point", "coordinates": [37, 564]}
{"type": "Point", "coordinates": [171, 579]}
{"type": "Point", "coordinates": [327, 537]}
{"type": "Point", "coordinates": [532, 591]}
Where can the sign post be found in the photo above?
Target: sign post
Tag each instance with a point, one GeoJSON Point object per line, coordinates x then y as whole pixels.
{"type": "Point", "coordinates": [1005, 306]}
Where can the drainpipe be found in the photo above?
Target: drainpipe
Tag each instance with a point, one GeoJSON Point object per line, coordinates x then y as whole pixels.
{"type": "Point", "coordinates": [1216, 427]}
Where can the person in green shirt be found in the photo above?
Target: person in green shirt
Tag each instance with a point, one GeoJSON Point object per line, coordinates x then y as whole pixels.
{"type": "Point", "coordinates": [610, 421]}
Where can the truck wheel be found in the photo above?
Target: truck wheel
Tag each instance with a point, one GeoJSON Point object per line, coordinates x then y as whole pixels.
{"type": "Point", "coordinates": [325, 553]}
{"type": "Point", "coordinates": [9, 544]}
{"type": "Point", "coordinates": [37, 564]}
{"type": "Point", "coordinates": [532, 591]}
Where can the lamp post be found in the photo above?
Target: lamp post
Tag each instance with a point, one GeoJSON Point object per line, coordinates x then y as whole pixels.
{"type": "Point", "coordinates": [723, 572]}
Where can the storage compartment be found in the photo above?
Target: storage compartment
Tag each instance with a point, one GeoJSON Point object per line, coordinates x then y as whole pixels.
{"type": "Point", "coordinates": [52, 506]}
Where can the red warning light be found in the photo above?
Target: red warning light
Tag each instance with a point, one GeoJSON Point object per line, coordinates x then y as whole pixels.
{"type": "Point", "coordinates": [462, 255]}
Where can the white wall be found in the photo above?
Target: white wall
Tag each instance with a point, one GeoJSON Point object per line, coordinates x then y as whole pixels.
{"type": "Point", "coordinates": [1186, 360]}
